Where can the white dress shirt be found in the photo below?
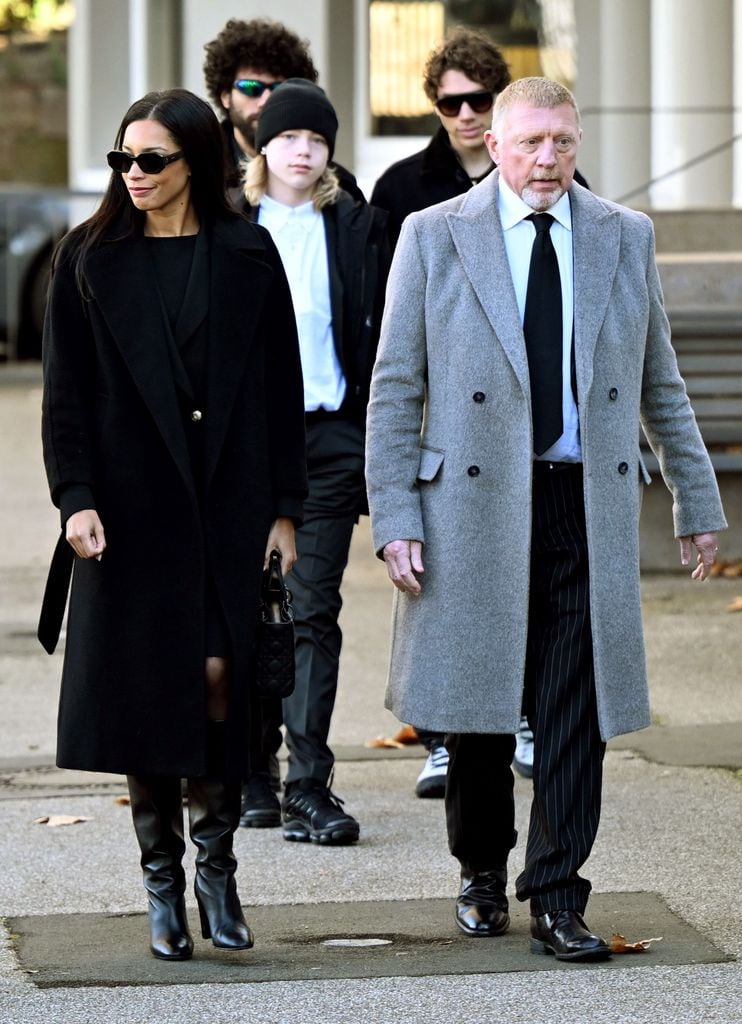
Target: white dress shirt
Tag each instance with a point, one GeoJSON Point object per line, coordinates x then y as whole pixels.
{"type": "Point", "coordinates": [299, 234]}
{"type": "Point", "coordinates": [519, 234]}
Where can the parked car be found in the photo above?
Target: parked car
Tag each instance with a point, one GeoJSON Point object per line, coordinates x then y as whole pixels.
{"type": "Point", "coordinates": [31, 222]}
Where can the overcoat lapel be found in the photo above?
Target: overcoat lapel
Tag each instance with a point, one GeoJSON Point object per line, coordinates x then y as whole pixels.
{"type": "Point", "coordinates": [477, 235]}
{"type": "Point", "coordinates": [239, 270]}
{"type": "Point", "coordinates": [137, 329]}
{"type": "Point", "coordinates": [596, 241]}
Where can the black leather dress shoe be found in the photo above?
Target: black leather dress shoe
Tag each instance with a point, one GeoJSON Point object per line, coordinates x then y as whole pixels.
{"type": "Point", "coordinates": [564, 935]}
{"type": "Point", "coordinates": [482, 906]}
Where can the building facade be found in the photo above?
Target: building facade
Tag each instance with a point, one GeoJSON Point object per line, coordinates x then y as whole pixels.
{"type": "Point", "coordinates": [659, 81]}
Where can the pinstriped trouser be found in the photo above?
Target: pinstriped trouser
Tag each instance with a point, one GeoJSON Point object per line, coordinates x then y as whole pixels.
{"type": "Point", "coordinates": [561, 708]}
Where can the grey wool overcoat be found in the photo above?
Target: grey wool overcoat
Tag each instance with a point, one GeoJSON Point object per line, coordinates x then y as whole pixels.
{"type": "Point", "coordinates": [449, 458]}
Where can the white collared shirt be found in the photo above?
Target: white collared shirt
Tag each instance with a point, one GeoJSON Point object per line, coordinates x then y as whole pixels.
{"type": "Point", "coordinates": [299, 234]}
{"type": "Point", "coordinates": [519, 234]}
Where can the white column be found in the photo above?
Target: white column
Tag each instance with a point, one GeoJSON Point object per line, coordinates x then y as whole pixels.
{"type": "Point", "coordinates": [737, 93]}
{"type": "Point", "coordinates": [98, 88]}
{"type": "Point", "coordinates": [588, 18]}
{"type": "Point", "coordinates": [692, 99]}
{"type": "Point", "coordinates": [625, 100]}
{"type": "Point", "coordinates": [138, 49]}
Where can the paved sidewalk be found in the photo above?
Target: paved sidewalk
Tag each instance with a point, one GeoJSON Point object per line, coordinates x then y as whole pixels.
{"type": "Point", "coordinates": [667, 862]}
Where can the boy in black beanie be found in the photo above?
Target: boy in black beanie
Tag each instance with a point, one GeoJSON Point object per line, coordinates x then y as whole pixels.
{"type": "Point", "coordinates": [336, 257]}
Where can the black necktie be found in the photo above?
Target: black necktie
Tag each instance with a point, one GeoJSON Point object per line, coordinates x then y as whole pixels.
{"type": "Point", "coordinates": [542, 327]}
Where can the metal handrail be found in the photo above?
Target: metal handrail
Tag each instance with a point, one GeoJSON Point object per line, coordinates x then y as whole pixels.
{"type": "Point", "coordinates": [680, 168]}
{"type": "Point", "coordinates": [699, 159]}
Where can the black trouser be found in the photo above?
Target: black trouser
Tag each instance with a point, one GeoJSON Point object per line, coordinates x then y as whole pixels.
{"type": "Point", "coordinates": [561, 708]}
{"type": "Point", "coordinates": [335, 469]}
{"type": "Point", "coordinates": [335, 466]}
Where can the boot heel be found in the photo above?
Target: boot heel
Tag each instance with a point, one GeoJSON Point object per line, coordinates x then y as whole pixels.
{"type": "Point", "coordinates": [205, 926]}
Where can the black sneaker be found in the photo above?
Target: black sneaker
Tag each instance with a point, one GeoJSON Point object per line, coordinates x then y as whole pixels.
{"type": "Point", "coordinates": [311, 811]}
{"type": "Point", "coordinates": [260, 806]}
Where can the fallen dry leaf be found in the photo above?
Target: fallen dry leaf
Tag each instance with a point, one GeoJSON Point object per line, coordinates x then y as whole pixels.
{"type": "Point", "coordinates": [123, 800]}
{"type": "Point", "coordinates": [406, 737]}
{"type": "Point", "coordinates": [55, 820]}
{"type": "Point", "coordinates": [727, 569]}
{"type": "Point", "coordinates": [736, 605]}
{"type": "Point", "coordinates": [619, 944]}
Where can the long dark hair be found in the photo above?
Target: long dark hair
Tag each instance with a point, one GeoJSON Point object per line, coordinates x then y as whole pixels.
{"type": "Point", "coordinates": [195, 129]}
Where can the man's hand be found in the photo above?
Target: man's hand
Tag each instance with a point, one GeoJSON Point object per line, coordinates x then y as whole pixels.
{"type": "Point", "coordinates": [404, 558]}
{"type": "Point", "coordinates": [705, 543]}
{"type": "Point", "coordinates": [84, 531]}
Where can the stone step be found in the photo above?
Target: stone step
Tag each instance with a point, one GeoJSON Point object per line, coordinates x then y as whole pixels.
{"type": "Point", "coordinates": [711, 280]}
{"type": "Point", "coordinates": [714, 230]}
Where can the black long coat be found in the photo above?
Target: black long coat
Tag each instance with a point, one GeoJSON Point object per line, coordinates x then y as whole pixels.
{"type": "Point", "coordinates": [115, 438]}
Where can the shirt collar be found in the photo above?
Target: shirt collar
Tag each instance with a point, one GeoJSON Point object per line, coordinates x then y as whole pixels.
{"type": "Point", "coordinates": [280, 214]}
{"type": "Point", "coordinates": [513, 209]}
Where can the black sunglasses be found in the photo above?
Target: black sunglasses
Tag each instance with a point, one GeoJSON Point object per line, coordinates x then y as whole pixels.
{"type": "Point", "coordinates": [148, 163]}
{"type": "Point", "coordinates": [253, 87]}
{"type": "Point", "coordinates": [480, 102]}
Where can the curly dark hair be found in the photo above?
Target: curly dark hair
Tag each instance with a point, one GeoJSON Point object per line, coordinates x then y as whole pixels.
{"type": "Point", "coordinates": [260, 44]}
{"type": "Point", "coordinates": [474, 55]}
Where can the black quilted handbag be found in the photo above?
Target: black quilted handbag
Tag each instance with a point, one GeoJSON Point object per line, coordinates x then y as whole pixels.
{"type": "Point", "coordinates": [274, 657]}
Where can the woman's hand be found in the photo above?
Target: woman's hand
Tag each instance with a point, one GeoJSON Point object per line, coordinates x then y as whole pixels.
{"type": "Point", "coordinates": [84, 532]}
{"type": "Point", "coordinates": [282, 537]}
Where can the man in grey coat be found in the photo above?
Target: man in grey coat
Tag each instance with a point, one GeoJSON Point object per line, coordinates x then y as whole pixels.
{"type": "Point", "coordinates": [518, 357]}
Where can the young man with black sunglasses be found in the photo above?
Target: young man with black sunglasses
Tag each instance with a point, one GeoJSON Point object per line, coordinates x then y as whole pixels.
{"type": "Point", "coordinates": [461, 79]}
{"type": "Point", "coordinates": [244, 64]}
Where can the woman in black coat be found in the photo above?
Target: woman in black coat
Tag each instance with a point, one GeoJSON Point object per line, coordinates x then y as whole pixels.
{"type": "Point", "coordinates": [174, 447]}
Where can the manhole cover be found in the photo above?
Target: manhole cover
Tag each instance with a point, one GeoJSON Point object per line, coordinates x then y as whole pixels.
{"type": "Point", "coordinates": [357, 942]}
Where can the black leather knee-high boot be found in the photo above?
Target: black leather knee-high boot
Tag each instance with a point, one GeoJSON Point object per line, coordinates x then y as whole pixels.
{"type": "Point", "coordinates": [214, 814]}
{"type": "Point", "coordinates": [157, 812]}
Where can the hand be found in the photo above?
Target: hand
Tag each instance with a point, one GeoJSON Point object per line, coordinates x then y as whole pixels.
{"type": "Point", "coordinates": [84, 531]}
{"type": "Point", "coordinates": [404, 558]}
{"type": "Point", "coordinates": [282, 537]}
{"type": "Point", "coordinates": [707, 548]}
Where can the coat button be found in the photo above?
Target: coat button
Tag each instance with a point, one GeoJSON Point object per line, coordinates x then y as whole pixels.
{"type": "Point", "coordinates": [473, 471]}
{"type": "Point", "coordinates": [623, 468]}
{"type": "Point", "coordinates": [478, 397]}
{"type": "Point", "coordinates": [197, 415]}
{"type": "Point", "coordinates": [613, 394]}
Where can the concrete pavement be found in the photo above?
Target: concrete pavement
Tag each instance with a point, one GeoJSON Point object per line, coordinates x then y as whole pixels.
{"type": "Point", "coordinates": [667, 862]}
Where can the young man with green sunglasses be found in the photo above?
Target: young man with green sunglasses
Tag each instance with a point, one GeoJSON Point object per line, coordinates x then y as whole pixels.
{"type": "Point", "coordinates": [246, 62]}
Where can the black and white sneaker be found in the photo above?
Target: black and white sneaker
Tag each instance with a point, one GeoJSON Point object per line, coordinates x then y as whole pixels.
{"type": "Point", "coordinates": [523, 758]}
{"type": "Point", "coordinates": [431, 782]}
{"type": "Point", "coordinates": [311, 811]}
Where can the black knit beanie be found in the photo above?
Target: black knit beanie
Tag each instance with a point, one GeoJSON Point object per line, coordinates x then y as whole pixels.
{"type": "Point", "coordinates": [297, 103]}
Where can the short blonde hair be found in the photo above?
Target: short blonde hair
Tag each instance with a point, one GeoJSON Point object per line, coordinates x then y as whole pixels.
{"type": "Point", "coordinates": [534, 92]}
{"type": "Point", "coordinates": [255, 183]}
